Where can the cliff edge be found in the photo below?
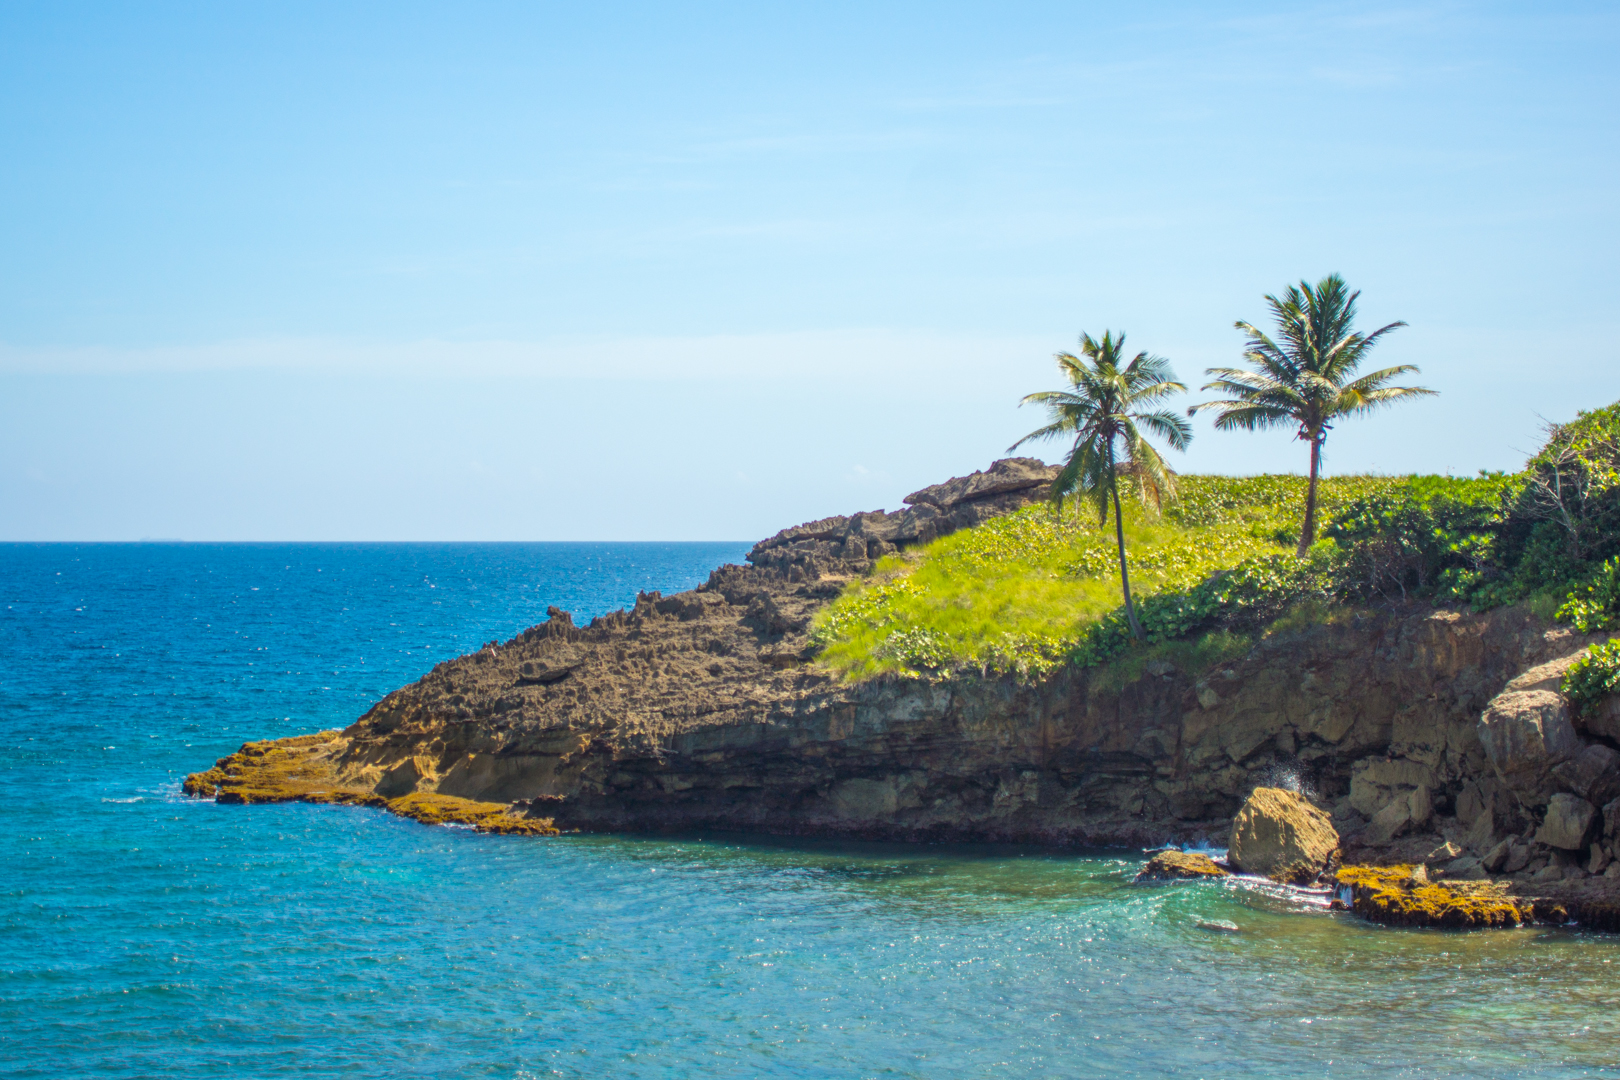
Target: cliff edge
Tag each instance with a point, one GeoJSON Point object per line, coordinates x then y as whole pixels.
{"type": "Point", "coordinates": [1433, 736]}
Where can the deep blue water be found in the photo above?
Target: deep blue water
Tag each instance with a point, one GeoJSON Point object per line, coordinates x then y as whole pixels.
{"type": "Point", "coordinates": [144, 934]}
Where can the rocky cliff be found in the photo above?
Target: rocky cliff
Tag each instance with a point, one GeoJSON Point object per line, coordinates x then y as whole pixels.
{"type": "Point", "coordinates": [1431, 735]}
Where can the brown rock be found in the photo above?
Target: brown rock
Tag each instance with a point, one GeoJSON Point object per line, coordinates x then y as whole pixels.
{"type": "Point", "coordinates": [1568, 823]}
{"type": "Point", "coordinates": [1526, 730]}
{"type": "Point", "coordinates": [1280, 835]}
{"type": "Point", "coordinates": [1180, 866]}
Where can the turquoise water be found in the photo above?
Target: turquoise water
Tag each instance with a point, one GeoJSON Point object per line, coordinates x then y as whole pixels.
{"type": "Point", "coordinates": [143, 934]}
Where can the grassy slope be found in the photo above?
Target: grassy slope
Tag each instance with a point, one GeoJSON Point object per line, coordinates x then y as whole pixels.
{"type": "Point", "coordinates": [1016, 592]}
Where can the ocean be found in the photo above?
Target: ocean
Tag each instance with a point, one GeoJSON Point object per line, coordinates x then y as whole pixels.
{"type": "Point", "coordinates": [144, 934]}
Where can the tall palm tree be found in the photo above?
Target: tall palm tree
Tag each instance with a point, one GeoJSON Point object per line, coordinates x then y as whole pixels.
{"type": "Point", "coordinates": [1106, 401]}
{"type": "Point", "coordinates": [1306, 376]}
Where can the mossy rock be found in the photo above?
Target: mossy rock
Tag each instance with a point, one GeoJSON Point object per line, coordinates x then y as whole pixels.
{"type": "Point", "coordinates": [1181, 866]}
{"type": "Point", "coordinates": [1404, 896]}
{"type": "Point", "coordinates": [299, 769]}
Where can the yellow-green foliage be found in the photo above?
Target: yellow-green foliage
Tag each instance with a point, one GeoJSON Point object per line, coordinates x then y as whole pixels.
{"type": "Point", "coordinates": [1398, 896]}
{"type": "Point", "coordinates": [1019, 592]}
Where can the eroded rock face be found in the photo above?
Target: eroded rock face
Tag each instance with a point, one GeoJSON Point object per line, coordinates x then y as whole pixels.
{"type": "Point", "coordinates": [1280, 835]}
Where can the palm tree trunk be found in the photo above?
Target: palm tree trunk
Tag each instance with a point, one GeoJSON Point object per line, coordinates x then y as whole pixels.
{"type": "Point", "coordinates": [1119, 534]}
{"type": "Point", "coordinates": [1307, 535]}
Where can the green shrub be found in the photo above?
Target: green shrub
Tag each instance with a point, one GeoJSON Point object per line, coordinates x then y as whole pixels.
{"type": "Point", "coordinates": [1427, 535]}
{"type": "Point", "coordinates": [1596, 604]}
{"type": "Point", "coordinates": [1593, 677]}
{"type": "Point", "coordinates": [1573, 484]}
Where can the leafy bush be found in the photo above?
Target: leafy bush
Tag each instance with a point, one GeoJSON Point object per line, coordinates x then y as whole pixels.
{"type": "Point", "coordinates": [1573, 483]}
{"type": "Point", "coordinates": [1595, 605]}
{"type": "Point", "coordinates": [1593, 677]}
{"type": "Point", "coordinates": [1425, 535]}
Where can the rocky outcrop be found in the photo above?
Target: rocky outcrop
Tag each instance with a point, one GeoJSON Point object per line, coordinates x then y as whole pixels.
{"type": "Point", "coordinates": [1278, 834]}
{"type": "Point", "coordinates": [843, 545]}
{"type": "Point", "coordinates": [1181, 866]}
{"type": "Point", "coordinates": [1432, 737]}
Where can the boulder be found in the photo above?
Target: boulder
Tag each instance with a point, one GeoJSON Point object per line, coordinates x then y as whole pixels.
{"type": "Point", "coordinates": [1568, 822]}
{"type": "Point", "coordinates": [1280, 835]}
{"type": "Point", "coordinates": [1593, 774]}
{"type": "Point", "coordinates": [1603, 720]}
{"type": "Point", "coordinates": [1415, 807]}
{"type": "Point", "coordinates": [1497, 857]}
{"type": "Point", "coordinates": [1181, 866]}
{"type": "Point", "coordinates": [1526, 731]}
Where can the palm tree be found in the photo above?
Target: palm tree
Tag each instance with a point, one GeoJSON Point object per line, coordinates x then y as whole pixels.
{"type": "Point", "coordinates": [1105, 404]}
{"type": "Point", "coordinates": [1306, 379]}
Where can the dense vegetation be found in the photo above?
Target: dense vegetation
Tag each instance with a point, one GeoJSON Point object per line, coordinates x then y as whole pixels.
{"type": "Point", "coordinates": [1033, 590]}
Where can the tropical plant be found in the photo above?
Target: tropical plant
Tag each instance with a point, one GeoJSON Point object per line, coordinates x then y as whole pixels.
{"type": "Point", "coordinates": [1106, 402]}
{"type": "Point", "coordinates": [1593, 677]}
{"type": "Point", "coordinates": [1306, 376]}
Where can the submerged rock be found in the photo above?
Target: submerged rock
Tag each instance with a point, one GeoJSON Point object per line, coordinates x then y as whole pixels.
{"type": "Point", "coordinates": [1280, 835]}
{"type": "Point", "coordinates": [1181, 866]}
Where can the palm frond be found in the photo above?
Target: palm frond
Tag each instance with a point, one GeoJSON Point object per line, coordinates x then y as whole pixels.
{"type": "Point", "coordinates": [1170, 427]}
{"type": "Point", "coordinates": [1239, 417]}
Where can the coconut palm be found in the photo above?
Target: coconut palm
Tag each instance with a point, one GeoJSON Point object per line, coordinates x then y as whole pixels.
{"type": "Point", "coordinates": [1106, 402]}
{"type": "Point", "coordinates": [1305, 377]}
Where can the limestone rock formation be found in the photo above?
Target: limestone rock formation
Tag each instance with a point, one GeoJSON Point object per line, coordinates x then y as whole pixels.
{"type": "Point", "coordinates": [1181, 866]}
{"type": "Point", "coordinates": [1280, 835]}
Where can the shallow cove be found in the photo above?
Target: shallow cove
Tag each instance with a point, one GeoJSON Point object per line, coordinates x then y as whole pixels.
{"type": "Point", "coordinates": [146, 933]}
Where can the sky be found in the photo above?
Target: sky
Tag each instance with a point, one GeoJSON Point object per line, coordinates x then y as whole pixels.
{"type": "Point", "coordinates": [525, 271]}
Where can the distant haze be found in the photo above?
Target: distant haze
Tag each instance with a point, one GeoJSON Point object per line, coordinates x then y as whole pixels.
{"type": "Point", "coordinates": [525, 271]}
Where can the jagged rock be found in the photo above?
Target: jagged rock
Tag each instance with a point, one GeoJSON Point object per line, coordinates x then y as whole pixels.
{"type": "Point", "coordinates": [1495, 859]}
{"type": "Point", "coordinates": [1604, 721]}
{"type": "Point", "coordinates": [1568, 822]}
{"type": "Point", "coordinates": [1180, 866]}
{"type": "Point", "coordinates": [1444, 853]}
{"type": "Point", "coordinates": [840, 543]}
{"type": "Point", "coordinates": [1526, 731]}
{"type": "Point", "coordinates": [1593, 774]}
{"type": "Point", "coordinates": [1280, 835]}
{"type": "Point", "coordinates": [1518, 858]}
{"type": "Point", "coordinates": [1412, 808]}
{"type": "Point", "coordinates": [1611, 819]}
{"type": "Point", "coordinates": [1376, 783]}
{"type": "Point", "coordinates": [1002, 477]}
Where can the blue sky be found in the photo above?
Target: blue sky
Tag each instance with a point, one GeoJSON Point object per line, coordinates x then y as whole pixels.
{"type": "Point", "coordinates": [524, 271]}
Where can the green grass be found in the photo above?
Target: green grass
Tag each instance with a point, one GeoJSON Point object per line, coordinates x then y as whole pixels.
{"type": "Point", "coordinates": [1019, 592]}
